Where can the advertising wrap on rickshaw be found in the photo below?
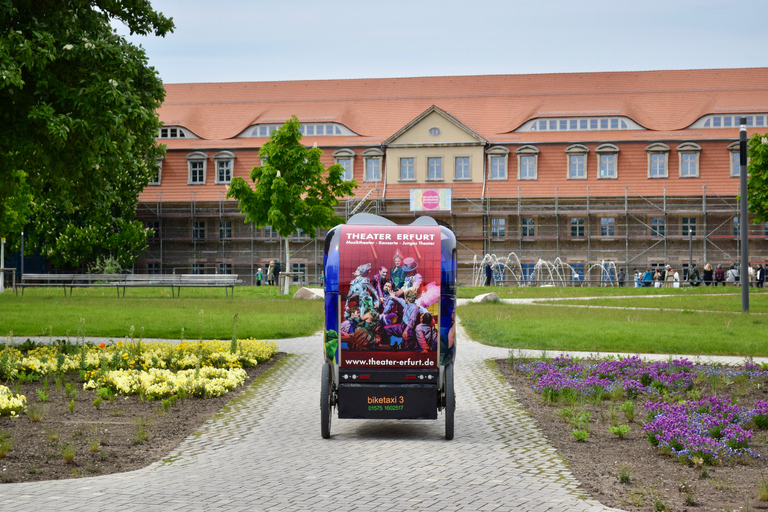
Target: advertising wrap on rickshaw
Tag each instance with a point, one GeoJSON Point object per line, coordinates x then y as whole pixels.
{"type": "Point", "coordinates": [389, 294]}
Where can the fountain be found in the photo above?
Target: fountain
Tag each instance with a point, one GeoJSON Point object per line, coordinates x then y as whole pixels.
{"type": "Point", "coordinates": [508, 270]}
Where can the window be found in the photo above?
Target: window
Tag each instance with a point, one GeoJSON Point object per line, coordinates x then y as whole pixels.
{"type": "Point", "coordinates": [527, 160]}
{"type": "Point", "coordinates": [657, 160]}
{"type": "Point", "coordinates": [607, 158]}
{"type": "Point", "coordinates": [372, 159]}
{"type": "Point", "coordinates": [373, 169]}
{"type": "Point", "coordinates": [198, 230]}
{"type": "Point", "coordinates": [299, 271]}
{"type": "Point", "coordinates": [225, 268]}
{"type": "Point", "coordinates": [498, 228]}
{"type": "Point", "coordinates": [735, 159]}
{"type": "Point", "coordinates": [153, 268]}
{"type": "Point", "coordinates": [608, 226]}
{"type": "Point", "coordinates": [407, 171]}
{"type": "Point", "coordinates": [573, 124]}
{"type": "Point", "coordinates": [173, 132]}
{"type": "Point", "coordinates": [528, 271]}
{"type": "Point", "coordinates": [435, 168]}
{"type": "Point", "coordinates": [298, 235]}
{"type": "Point", "coordinates": [719, 120]}
{"type": "Point", "coordinates": [658, 226]}
{"type": "Point", "coordinates": [462, 168]}
{"type": "Point", "coordinates": [434, 131]}
{"type": "Point", "coordinates": [224, 163]}
{"type": "Point", "coordinates": [197, 164]}
{"type": "Point", "coordinates": [497, 162]}
{"type": "Point", "coordinates": [155, 233]}
{"type": "Point", "coordinates": [689, 159]}
{"type": "Point", "coordinates": [269, 233]}
{"type": "Point", "coordinates": [225, 229]}
{"type": "Point", "coordinates": [577, 161]}
{"type": "Point", "coordinates": [689, 226]}
{"type": "Point", "coordinates": [577, 227]}
{"type": "Point", "coordinates": [155, 180]}
{"type": "Point", "coordinates": [528, 228]}
{"type": "Point", "coordinates": [198, 268]}
{"type": "Point", "coordinates": [327, 129]}
{"type": "Point", "coordinates": [346, 159]}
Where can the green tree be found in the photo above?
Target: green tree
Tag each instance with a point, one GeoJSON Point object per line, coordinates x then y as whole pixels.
{"type": "Point", "coordinates": [293, 191]}
{"type": "Point", "coordinates": [757, 186]}
{"type": "Point", "coordinates": [78, 126]}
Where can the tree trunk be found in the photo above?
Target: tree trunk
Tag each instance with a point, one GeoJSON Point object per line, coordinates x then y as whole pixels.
{"type": "Point", "coordinates": [286, 269]}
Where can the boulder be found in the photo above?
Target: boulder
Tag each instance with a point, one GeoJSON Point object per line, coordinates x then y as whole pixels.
{"type": "Point", "coordinates": [309, 293]}
{"type": "Point", "coordinates": [486, 297]}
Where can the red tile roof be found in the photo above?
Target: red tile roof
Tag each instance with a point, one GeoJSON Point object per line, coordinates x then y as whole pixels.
{"type": "Point", "coordinates": [492, 106]}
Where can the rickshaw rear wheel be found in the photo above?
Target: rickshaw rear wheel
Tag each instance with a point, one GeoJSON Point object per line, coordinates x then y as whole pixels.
{"type": "Point", "coordinates": [325, 402]}
{"type": "Point", "coordinates": [450, 401]}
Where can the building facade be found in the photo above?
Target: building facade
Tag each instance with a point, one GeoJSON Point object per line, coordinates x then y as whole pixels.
{"type": "Point", "coordinates": [593, 171]}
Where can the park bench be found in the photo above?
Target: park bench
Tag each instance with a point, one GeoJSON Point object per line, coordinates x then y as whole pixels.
{"type": "Point", "coordinates": [178, 281]}
{"type": "Point", "coordinates": [121, 281]}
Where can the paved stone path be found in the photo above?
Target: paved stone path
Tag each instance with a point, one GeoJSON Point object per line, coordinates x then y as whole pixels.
{"type": "Point", "coordinates": [264, 452]}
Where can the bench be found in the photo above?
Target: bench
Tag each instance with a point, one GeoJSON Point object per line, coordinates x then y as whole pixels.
{"type": "Point", "coordinates": [175, 281]}
{"type": "Point", "coordinates": [70, 281]}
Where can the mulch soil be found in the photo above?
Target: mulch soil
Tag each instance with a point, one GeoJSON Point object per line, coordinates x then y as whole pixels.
{"type": "Point", "coordinates": [105, 439]}
{"type": "Point", "coordinates": [657, 482]}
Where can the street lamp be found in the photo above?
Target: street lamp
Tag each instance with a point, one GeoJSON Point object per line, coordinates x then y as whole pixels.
{"type": "Point", "coordinates": [743, 223]}
{"type": "Point", "coordinates": [22, 255]}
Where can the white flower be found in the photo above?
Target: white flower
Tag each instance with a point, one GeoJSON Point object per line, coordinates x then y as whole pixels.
{"type": "Point", "coordinates": [764, 140]}
{"type": "Point", "coordinates": [68, 46]}
{"type": "Point", "coordinates": [113, 82]}
{"type": "Point", "coordinates": [278, 174]}
{"type": "Point", "coordinates": [89, 46]}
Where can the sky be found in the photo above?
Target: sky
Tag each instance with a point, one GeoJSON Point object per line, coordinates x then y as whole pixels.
{"type": "Point", "coordinates": [259, 40]}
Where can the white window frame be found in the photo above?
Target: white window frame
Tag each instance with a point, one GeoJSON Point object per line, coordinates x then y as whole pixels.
{"type": "Point", "coordinates": [527, 152]}
{"type": "Point", "coordinates": [346, 155]}
{"type": "Point", "coordinates": [606, 150]}
{"type": "Point", "coordinates": [688, 225]}
{"type": "Point", "coordinates": [400, 176]}
{"type": "Point", "coordinates": [608, 224]}
{"type": "Point", "coordinates": [499, 228]}
{"type": "Point", "coordinates": [437, 160]}
{"type": "Point", "coordinates": [658, 150]}
{"type": "Point", "coordinates": [502, 155]}
{"type": "Point", "coordinates": [375, 157]}
{"type": "Point", "coordinates": [654, 226]}
{"type": "Point", "coordinates": [456, 176]}
{"type": "Point", "coordinates": [197, 157]}
{"type": "Point", "coordinates": [734, 152]}
{"type": "Point", "coordinates": [527, 229]}
{"type": "Point", "coordinates": [579, 226]}
{"type": "Point", "coordinates": [159, 175]}
{"type": "Point", "coordinates": [224, 157]}
{"type": "Point", "coordinates": [688, 150]}
{"type": "Point", "coordinates": [572, 153]}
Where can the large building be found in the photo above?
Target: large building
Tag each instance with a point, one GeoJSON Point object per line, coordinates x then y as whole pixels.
{"type": "Point", "coordinates": [594, 170]}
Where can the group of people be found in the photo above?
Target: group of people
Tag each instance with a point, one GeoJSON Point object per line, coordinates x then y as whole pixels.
{"type": "Point", "coordinates": [273, 273]}
{"type": "Point", "coordinates": [709, 276]}
{"type": "Point", "coordinates": [390, 310]}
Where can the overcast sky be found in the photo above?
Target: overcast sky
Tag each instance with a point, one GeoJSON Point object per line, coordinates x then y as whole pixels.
{"type": "Point", "coordinates": [257, 40]}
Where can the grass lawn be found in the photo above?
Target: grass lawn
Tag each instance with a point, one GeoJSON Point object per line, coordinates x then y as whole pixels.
{"type": "Point", "coordinates": [536, 292]}
{"type": "Point", "coordinates": [758, 302]}
{"type": "Point", "coordinates": [609, 330]}
{"type": "Point", "coordinates": [201, 312]}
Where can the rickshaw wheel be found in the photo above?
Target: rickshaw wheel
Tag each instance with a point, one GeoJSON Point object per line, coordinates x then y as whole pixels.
{"type": "Point", "coordinates": [325, 402]}
{"type": "Point", "coordinates": [450, 401]}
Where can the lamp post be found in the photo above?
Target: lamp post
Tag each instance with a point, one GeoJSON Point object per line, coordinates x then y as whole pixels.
{"type": "Point", "coordinates": [2, 265]}
{"type": "Point", "coordinates": [743, 223]}
{"type": "Point", "coordinates": [22, 255]}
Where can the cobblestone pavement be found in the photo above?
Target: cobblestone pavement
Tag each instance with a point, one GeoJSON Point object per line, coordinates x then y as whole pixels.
{"type": "Point", "coordinates": [264, 452]}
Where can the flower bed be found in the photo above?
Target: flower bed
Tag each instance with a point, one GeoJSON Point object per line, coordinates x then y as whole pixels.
{"type": "Point", "coordinates": [683, 421]}
{"type": "Point", "coordinates": [204, 369]}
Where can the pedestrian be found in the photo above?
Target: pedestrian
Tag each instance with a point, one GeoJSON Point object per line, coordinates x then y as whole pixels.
{"type": "Point", "coordinates": [271, 273]}
{"type": "Point", "coordinates": [732, 275]}
{"type": "Point", "coordinates": [657, 279]}
{"type": "Point", "coordinates": [259, 277]}
{"type": "Point", "coordinates": [719, 275]}
{"type": "Point", "coordinates": [622, 277]}
{"type": "Point", "coordinates": [647, 277]}
{"type": "Point", "coordinates": [751, 274]}
{"type": "Point", "coordinates": [278, 269]}
{"type": "Point", "coordinates": [488, 274]}
{"type": "Point", "coordinates": [670, 277]}
{"type": "Point", "coordinates": [708, 274]}
{"type": "Point", "coordinates": [694, 278]}
{"type": "Point", "coordinates": [759, 276]}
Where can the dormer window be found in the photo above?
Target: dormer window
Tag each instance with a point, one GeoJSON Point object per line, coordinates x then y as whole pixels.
{"type": "Point", "coordinates": [607, 161]}
{"type": "Point", "coordinates": [225, 161]}
{"type": "Point", "coordinates": [658, 160]}
{"type": "Point", "coordinates": [576, 157]}
{"type": "Point", "coordinates": [197, 165]}
{"type": "Point", "coordinates": [346, 159]}
{"type": "Point", "coordinates": [434, 131]}
{"type": "Point", "coordinates": [689, 159]}
{"type": "Point", "coordinates": [175, 132]}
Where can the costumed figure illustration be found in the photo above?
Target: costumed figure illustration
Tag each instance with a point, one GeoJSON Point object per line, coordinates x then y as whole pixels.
{"type": "Point", "coordinates": [426, 334]}
{"type": "Point", "coordinates": [360, 287]}
{"type": "Point", "coordinates": [414, 282]}
{"type": "Point", "coordinates": [405, 330]}
{"type": "Point", "coordinates": [359, 332]}
{"type": "Point", "coordinates": [378, 282]}
{"type": "Point", "coordinates": [393, 307]}
{"type": "Point", "coordinates": [397, 274]}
